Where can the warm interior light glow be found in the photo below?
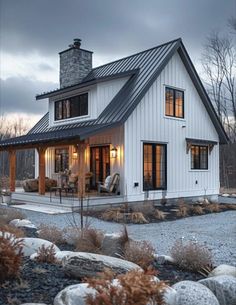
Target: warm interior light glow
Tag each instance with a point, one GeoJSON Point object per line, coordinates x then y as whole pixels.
{"type": "Point", "coordinates": [75, 153]}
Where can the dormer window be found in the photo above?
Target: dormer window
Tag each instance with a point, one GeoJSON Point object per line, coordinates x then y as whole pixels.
{"type": "Point", "coordinates": [75, 106]}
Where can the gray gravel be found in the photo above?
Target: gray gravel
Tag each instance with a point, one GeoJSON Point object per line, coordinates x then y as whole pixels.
{"type": "Point", "coordinates": [216, 231]}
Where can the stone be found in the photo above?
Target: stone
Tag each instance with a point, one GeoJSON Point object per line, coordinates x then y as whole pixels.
{"type": "Point", "coordinates": [193, 293]}
{"type": "Point", "coordinates": [225, 195]}
{"type": "Point", "coordinates": [223, 287]}
{"type": "Point", "coordinates": [73, 295]}
{"type": "Point", "coordinates": [169, 296]}
{"type": "Point", "coordinates": [81, 264]}
{"type": "Point", "coordinates": [31, 245]}
{"type": "Point", "coordinates": [223, 270]}
{"type": "Point", "coordinates": [22, 223]}
{"type": "Point", "coordinates": [112, 245]}
{"type": "Point", "coordinates": [162, 259]}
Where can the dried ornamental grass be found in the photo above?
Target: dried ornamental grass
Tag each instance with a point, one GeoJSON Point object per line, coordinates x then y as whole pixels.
{"type": "Point", "coordinates": [51, 233]}
{"type": "Point", "coordinates": [134, 287]}
{"type": "Point", "coordinates": [139, 252]}
{"type": "Point", "coordinates": [17, 232]}
{"type": "Point", "coordinates": [90, 240]}
{"type": "Point", "coordinates": [113, 215]}
{"type": "Point", "coordinates": [197, 209]}
{"type": "Point", "coordinates": [46, 254]}
{"type": "Point", "coordinates": [182, 211]}
{"type": "Point", "coordinates": [191, 256]}
{"type": "Point", "coordinates": [138, 217]}
{"type": "Point", "coordinates": [6, 215]}
{"type": "Point", "coordinates": [11, 255]}
{"type": "Point", "coordinates": [213, 208]}
{"type": "Point", "coordinates": [159, 215]}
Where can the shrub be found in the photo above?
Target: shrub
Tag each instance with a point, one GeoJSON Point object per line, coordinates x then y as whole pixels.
{"type": "Point", "coordinates": [147, 209]}
{"type": "Point", "coordinates": [197, 209]}
{"type": "Point", "coordinates": [17, 232]}
{"type": "Point", "coordinates": [139, 252]}
{"type": "Point", "coordinates": [10, 256]}
{"type": "Point", "coordinates": [90, 240]}
{"type": "Point", "coordinates": [182, 211]}
{"type": "Point", "coordinates": [191, 256]}
{"type": "Point", "coordinates": [138, 217]}
{"type": "Point", "coordinates": [135, 287]}
{"type": "Point", "coordinates": [46, 254]}
{"type": "Point", "coordinates": [51, 233]}
{"type": "Point", "coordinates": [159, 215]}
{"type": "Point", "coordinates": [6, 215]}
{"type": "Point", "coordinates": [231, 206]}
{"type": "Point", "coordinates": [213, 208]}
{"type": "Point", "coordinates": [113, 215]}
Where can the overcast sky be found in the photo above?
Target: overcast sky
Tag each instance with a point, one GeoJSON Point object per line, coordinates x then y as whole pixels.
{"type": "Point", "coordinates": [32, 32]}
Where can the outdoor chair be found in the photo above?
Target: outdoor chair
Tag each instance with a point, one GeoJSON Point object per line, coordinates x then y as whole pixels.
{"type": "Point", "coordinates": [111, 184]}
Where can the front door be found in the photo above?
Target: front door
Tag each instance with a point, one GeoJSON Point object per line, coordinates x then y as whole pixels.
{"type": "Point", "coordinates": [99, 164]}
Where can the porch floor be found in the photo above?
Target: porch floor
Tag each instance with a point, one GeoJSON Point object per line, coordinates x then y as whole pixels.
{"type": "Point", "coordinates": [91, 198]}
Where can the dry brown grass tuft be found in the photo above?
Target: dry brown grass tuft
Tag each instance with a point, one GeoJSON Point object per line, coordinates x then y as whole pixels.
{"type": "Point", "coordinates": [113, 215]}
{"type": "Point", "coordinates": [147, 209]}
{"type": "Point", "coordinates": [17, 232]}
{"type": "Point", "coordinates": [159, 215]}
{"type": "Point", "coordinates": [231, 206]}
{"type": "Point", "coordinates": [191, 256]}
{"type": "Point", "coordinates": [10, 257]}
{"type": "Point", "coordinates": [6, 215]}
{"type": "Point", "coordinates": [213, 208]}
{"type": "Point", "coordinates": [183, 211]}
{"type": "Point", "coordinates": [135, 287]}
{"type": "Point", "coordinates": [46, 254]}
{"type": "Point", "coordinates": [90, 240]}
{"type": "Point", "coordinates": [139, 252]}
{"type": "Point", "coordinates": [197, 210]}
{"type": "Point", "coordinates": [51, 233]}
{"type": "Point", "coordinates": [138, 217]}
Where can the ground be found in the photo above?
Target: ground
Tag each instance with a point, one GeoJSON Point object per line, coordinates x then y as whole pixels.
{"type": "Point", "coordinates": [216, 231]}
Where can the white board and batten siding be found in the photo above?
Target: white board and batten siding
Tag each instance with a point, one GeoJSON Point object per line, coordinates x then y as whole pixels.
{"type": "Point", "coordinates": [148, 123]}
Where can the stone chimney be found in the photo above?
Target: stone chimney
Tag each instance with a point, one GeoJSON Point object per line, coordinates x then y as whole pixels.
{"type": "Point", "coordinates": [75, 64]}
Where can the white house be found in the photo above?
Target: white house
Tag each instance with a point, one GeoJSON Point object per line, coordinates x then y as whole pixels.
{"type": "Point", "coordinates": [146, 117]}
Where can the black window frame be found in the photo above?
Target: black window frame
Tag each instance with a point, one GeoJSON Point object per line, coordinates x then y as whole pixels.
{"type": "Point", "coordinates": [199, 164]}
{"type": "Point", "coordinates": [60, 105]}
{"type": "Point", "coordinates": [164, 187]}
{"type": "Point", "coordinates": [174, 103]}
{"type": "Point", "coordinates": [56, 170]}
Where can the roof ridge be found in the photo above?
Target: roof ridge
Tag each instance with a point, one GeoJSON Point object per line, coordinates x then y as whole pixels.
{"type": "Point", "coordinates": [158, 46]}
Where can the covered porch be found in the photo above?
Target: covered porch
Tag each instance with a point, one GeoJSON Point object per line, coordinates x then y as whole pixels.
{"type": "Point", "coordinates": [99, 155]}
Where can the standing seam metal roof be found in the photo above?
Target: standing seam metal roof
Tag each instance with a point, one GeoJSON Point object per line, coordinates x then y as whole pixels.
{"type": "Point", "coordinates": [144, 68]}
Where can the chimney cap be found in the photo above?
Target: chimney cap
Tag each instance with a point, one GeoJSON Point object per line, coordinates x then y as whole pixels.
{"type": "Point", "coordinates": [76, 44]}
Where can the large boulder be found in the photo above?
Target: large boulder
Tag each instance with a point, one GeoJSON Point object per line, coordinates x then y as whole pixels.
{"type": "Point", "coordinates": [82, 264]}
{"type": "Point", "coordinates": [73, 295]}
{"type": "Point", "coordinates": [22, 223]}
{"type": "Point", "coordinates": [31, 245]}
{"type": "Point", "coordinates": [223, 270]}
{"type": "Point", "coordinates": [223, 287]}
{"type": "Point", "coordinates": [193, 293]}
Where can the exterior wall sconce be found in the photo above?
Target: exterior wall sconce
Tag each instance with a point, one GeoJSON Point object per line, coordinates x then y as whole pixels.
{"type": "Point", "coordinates": [113, 152]}
{"type": "Point", "coordinates": [75, 153]}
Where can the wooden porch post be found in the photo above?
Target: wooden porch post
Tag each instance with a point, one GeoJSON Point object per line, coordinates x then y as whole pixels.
{"type": "Point", "coordinates": [12, 170]}
{"type": "Point", "coordinates": [81, 181]}
{"type": "Point", "coordinates": [41, 152]}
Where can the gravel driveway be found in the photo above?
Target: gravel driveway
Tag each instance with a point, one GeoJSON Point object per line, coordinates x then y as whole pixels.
{"type": "Point", "coordinates": [216, 231]}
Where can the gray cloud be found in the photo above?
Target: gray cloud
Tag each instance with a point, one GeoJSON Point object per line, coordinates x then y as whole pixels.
{"type": "Point", "coordinates": [17, 94]}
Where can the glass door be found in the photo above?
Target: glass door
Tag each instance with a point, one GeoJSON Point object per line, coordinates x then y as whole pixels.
{"type": "Point", "coordinates": [99, 164]}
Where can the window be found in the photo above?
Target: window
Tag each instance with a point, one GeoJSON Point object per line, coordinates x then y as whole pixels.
{"type": "Point", "coordinates": [199, 157]}
{"type": "Point", "coordinates": [72, 107]}
{"type": "Point", "coordinates": [174, 103]}
{"type": "Point", "coordinates": [154, 166]}
{"type": "Point", "coordinates": [61, 159]}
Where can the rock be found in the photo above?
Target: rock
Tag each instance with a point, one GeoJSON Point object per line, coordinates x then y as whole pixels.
{"type": "Point", "coordinates": [193, 293]}
{"type": "Point", "coordinates": [162, 259]}
{"type": "Point", "coordinates": [81, 264]}
{"type": "Point", "coordinates": [225, 195]}
{"type": "Point", "coordinates": [73, 295]}
{"type": "Point", "coordinates": [31, 245]}
{"type": "Point", "coordinates": [223, 287]}
{"type": "Point", "coordinates": [223, 270]}
{"type": "Point", "coordinates": [22, 223]}
{"type": "Point", "coordinates": [112, 245]}
{"type": "Point", "coordinates": [169, 296]}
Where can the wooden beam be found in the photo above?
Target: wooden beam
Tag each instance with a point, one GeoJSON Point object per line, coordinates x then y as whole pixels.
{"type": "Point", "coordinates": [81, 180]}
{"type": "Point", "coordinates": [41, 152]}
{"type": "Point", "coordinates": [12, 170]}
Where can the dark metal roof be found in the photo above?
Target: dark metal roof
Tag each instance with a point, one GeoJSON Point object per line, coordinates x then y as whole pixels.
{"type": "Point", "coordinates": [143, 68]}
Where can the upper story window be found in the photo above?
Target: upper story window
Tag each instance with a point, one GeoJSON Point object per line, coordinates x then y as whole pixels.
{"type": "Point", "coordinates": [174, 103]}
{"type": "Point", "coordinates": [199, 157]}
{"type": "Point", "coordinates": [72, 107]}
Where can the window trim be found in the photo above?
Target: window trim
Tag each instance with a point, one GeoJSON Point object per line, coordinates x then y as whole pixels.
{"type": "Point", "coordinates": [154, 144]}
{"type": "Point", "coordinates": [199, 158]}
{"type": "Point", "coordinates": [63, 119]}
{"type": "Point", "coordinates": [174, 103]}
